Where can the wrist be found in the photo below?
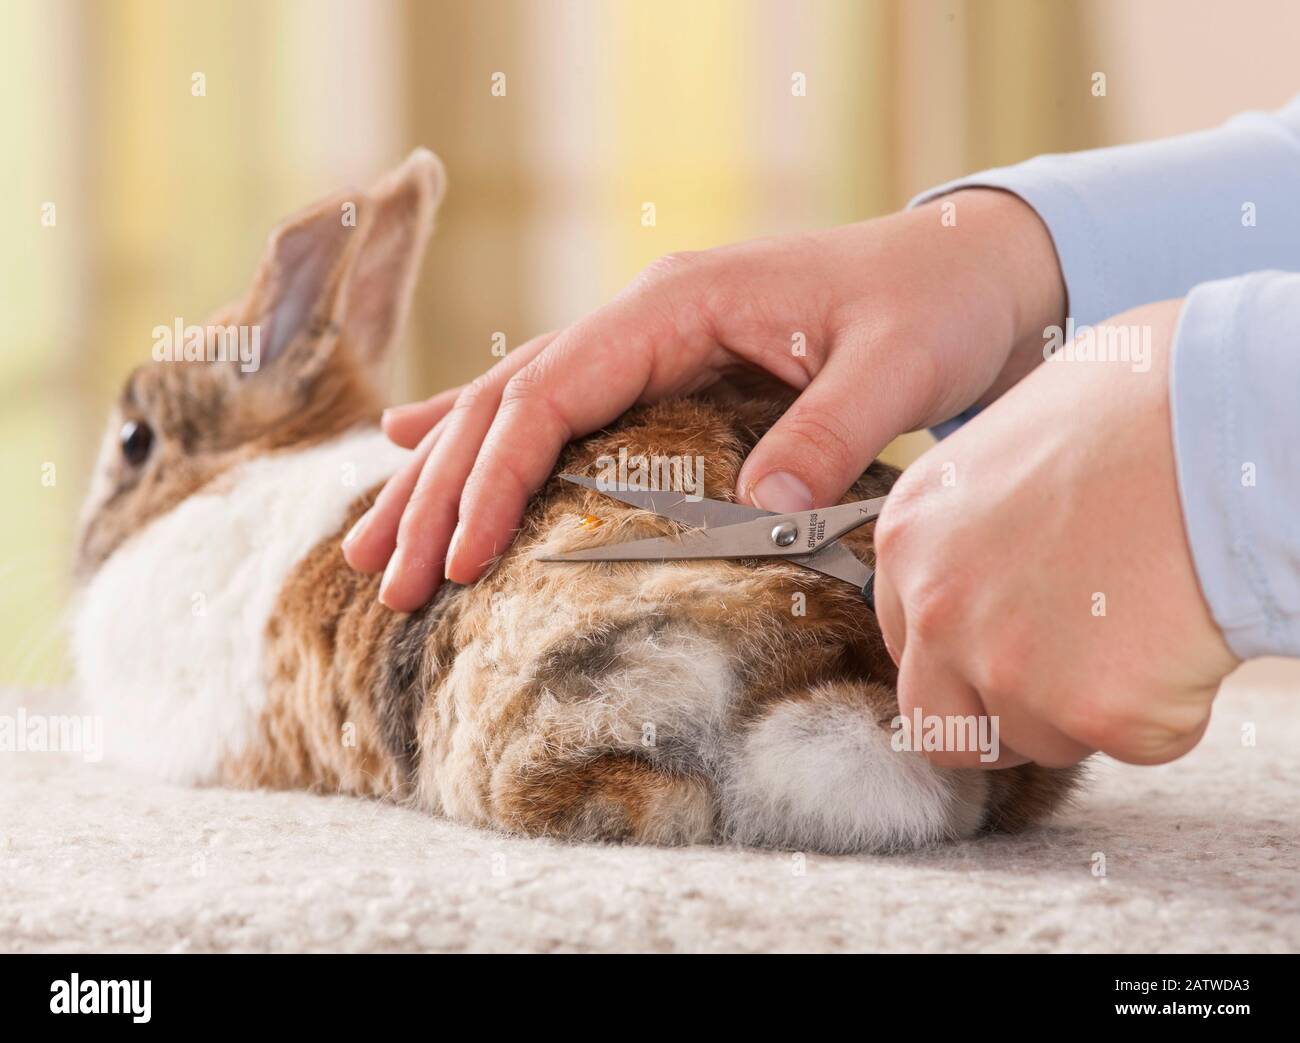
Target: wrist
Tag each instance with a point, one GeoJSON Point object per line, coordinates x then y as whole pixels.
{"type": "Point", "coordinates": [1024, 278]}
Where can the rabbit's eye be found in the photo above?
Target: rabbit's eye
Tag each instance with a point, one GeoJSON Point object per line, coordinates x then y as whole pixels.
{"type": "Point", "coordinates": [137, 440]}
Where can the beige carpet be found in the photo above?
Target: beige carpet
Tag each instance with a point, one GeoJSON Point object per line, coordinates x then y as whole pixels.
{"type": "Point", "coordinates": [1202, 855]}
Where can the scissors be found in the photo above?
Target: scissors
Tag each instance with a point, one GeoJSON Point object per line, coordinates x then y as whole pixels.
{"type": "Point", "coordinates": [721, 529]}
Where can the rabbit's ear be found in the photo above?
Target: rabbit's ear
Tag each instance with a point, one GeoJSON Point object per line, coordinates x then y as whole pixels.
{"type": "Point", "coordinates": [297, 300]}
{"type": "Point", "coordinates": [345, 269]}
{"type": "Point", "coordinates": [379, 293]}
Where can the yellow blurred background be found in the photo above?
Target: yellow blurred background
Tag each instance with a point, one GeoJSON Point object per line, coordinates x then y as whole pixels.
{"type": "Point", "coordinates": [151, 145]}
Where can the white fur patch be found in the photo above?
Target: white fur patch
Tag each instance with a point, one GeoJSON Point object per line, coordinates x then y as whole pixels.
{"type": "Point", "coordinates": [169, 635]}
{"type": "Point", "coordinates": [814, 775]}
{"type": "Point", "coordinates": [668, 693]}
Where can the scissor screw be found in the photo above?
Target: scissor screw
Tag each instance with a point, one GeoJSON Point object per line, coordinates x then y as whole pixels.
{"type": "Point", "coordinates": [784, 534]}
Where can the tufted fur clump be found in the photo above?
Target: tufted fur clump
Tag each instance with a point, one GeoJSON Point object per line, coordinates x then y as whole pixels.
{"type": "Point", "coordinates": [224, 639]}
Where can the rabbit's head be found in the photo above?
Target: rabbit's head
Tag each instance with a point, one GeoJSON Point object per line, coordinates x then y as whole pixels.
{"type": "Point", "coordinates": [301, 357]}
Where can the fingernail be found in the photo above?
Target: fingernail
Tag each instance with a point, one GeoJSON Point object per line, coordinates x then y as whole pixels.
{"type": "Point", "coordinates": [390, 573]}
{"type": "Point", "coordinates": [356, 528]}
{"type": "Point", "coordinates": [781, 493]}
{"type": "Point", "coordinates": [451, 549]}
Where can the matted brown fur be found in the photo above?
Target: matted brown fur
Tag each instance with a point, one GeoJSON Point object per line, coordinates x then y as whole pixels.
{"type": "Point", "coordinates": [492, 714]}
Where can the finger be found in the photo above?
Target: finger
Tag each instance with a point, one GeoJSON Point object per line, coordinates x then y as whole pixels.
{"type": "Point", "coordinates": [893, 629]}
{"type": "Point", "coordinates": [407, 424]}
{"type": "Point", "coordinates": [1042, 745]}
{"type": "Point", "coordinates": [826, 439]}
{"type": "Point", "coordinates": [889, 614]}
{"type": "Point", "coordinates": [956, 731]}
{"type": "Point", "coordinates": [370, 544]}
{"type": "Point", "coordinates": [1006, 758]}
{"type": "Point", "coordinates": [1038, 740]}
{"type": "Point", "coordinates": [591, 374]}
{"type": "Point", "coordinates": [415, 569]}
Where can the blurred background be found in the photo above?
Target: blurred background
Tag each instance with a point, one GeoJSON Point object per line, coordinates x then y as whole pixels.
{"type": "Point", "coordinates": [149, 146]}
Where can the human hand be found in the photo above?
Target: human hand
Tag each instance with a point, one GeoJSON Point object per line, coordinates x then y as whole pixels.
{"type": "Point", "coordinates": [1034, 566]}
{"type": "Point", "coordinates": [884, 327]}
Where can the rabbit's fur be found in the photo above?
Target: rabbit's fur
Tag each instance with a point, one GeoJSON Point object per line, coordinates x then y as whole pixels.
{"type": "Point", "coordinates": [225, 640]}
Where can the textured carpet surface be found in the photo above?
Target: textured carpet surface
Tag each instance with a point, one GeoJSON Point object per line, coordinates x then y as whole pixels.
{"type": "Point", "coordinates": [1202, 855]}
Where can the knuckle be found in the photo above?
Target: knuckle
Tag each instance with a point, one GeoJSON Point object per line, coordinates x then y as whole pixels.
{"type": "Point", "coordinates": [933, 614]}
{"type": "Point", "coordinates": [890, 527]}
{"type": "Point", "coordinates": [523, 386]}
{"type": "Point", "coordinates": [902, 514]}
{"type": "Point", "coordinates": [531, 389]}
{"type": "Point", "coordinates": [1004, 673]}
{"type": "Point", "coordinates": [907, 493]}
{"type": "Point", "coordinates": [479, 390]}
{"type": "Point", "coordinates": [668, 276]}
{"type": "Point", "coordinates": [1003, 667]}
{"type": "Point", "coordinates": [1091, 720]}
{"type": "Point", "coordinates": [902, 508]}
{"type": "Point", "coordinates": [492, 474]}
{"type": "Point", "coordinates": [668, 266]}
{"type": "Point", "coordinates": [906, 518]}
{"type": "Point", "coordinates": [508, 465]}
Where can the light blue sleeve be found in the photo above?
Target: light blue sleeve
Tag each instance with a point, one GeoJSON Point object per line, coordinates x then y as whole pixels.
{"type": "Point", "coordinates": [1179, 218]}
{"type": "Point", "coordinates": [1235, 396]}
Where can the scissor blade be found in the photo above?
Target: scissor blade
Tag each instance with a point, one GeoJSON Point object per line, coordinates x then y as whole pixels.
{"type": "Point", "coordinates": [812, 532]}
{"type": "Point", "coordinates": [821, 527]}
{"type": "Point", "coordinates": [692, 545]}
{"type": "Point", "coordinates": [838, 562]}
{"type": "Point", "coordinates": [803, 532]}
{"type": "Point", "coordinates": [702, 513]}
{"type": "Point", "coordinates": [834, 559]}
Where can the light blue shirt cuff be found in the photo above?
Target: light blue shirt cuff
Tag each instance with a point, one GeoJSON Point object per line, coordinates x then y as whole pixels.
{"type": "Point", "coordinates": [943, 429]}
{"type": "Point", "coordinates": [1235, 399]}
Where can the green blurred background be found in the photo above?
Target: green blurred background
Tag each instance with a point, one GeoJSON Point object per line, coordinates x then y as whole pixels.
{"type": "Point", "coordinates": [163, 195]}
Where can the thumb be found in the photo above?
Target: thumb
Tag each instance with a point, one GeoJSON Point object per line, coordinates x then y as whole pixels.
{"type": "Point", "coordinates": [821, 445]}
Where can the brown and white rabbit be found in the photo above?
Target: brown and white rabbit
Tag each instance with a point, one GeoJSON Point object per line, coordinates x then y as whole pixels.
{"type": "Point", "coordinates": [224, 640]}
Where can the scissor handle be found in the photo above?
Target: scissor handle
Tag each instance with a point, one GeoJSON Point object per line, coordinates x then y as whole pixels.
{"type": "Point", "coordinates": [869, 591]}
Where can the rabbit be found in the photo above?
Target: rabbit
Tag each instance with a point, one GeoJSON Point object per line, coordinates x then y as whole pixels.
{"type": "Point", "coordinates": [224, 640]}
